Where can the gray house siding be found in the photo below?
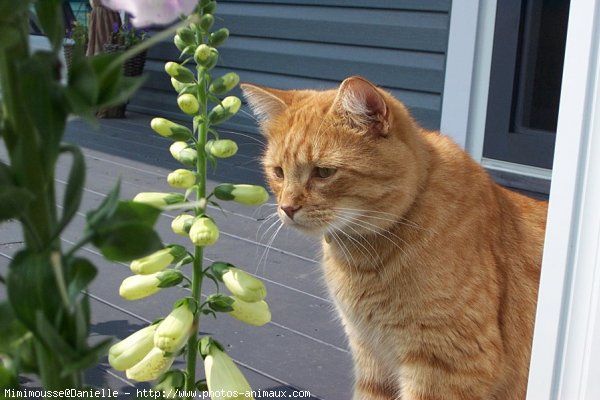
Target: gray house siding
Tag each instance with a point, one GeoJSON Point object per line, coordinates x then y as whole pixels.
{"type": "Point", "coordinates": [397, 44]}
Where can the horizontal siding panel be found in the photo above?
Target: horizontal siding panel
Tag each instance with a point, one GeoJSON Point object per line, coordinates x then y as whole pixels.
{"type": "Point", "coordinates": [425, 107]}
{"type": "Point", "coordinates": [419, 5]}
{"type": "Point", "coordinates": [336, 62]}
{"type": "Point", "coordinates": [399, 45]}
{"type": "Point", "coordinates": [392, 29]}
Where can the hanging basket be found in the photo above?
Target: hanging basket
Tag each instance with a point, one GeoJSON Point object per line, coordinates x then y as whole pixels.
{"type": "Point", "coordinates": [132, 67]}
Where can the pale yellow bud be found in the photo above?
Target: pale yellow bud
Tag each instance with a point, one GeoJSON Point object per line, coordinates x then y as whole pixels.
{"type": "Point", "coordinates": [243, 285]}
{"type": "Point", "coordinates": [150, 367]}
{"type": "Point", "coordinates": [181, 178]}
{"type": "Point", "coordinates": [132, 349]}
{"type": "Point", "coordinates": [223, 377]}
{"type": "Point", "coordinates": [256, 313]}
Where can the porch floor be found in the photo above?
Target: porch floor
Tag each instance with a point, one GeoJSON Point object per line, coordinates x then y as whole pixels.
{"type": "Point", "coordinates": [302, 349]}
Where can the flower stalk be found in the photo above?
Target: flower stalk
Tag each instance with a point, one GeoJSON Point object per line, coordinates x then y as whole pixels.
{"type": "Point", "coordinates": [205, 101]}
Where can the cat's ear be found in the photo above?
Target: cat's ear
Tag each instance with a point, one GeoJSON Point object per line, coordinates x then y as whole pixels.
{"type": "Point", "coordinates": [361, 103]}
{"type": "Point", "coordinates": [266, 103]}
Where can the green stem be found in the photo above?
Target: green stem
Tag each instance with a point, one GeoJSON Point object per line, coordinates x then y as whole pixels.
{"type": "Point", "coordinates": [198, 273]}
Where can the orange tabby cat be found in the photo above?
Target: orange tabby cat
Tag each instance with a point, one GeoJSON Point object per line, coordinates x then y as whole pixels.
{"type": "Point", "coordinates": [433, 267]}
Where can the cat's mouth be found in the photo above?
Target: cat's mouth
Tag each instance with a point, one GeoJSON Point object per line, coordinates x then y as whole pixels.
{"type": "Point", "coordinates": [305, 222]}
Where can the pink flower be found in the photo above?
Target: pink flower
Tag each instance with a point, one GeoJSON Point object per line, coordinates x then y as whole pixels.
{"type": "Point", "coordinates": [149, 12]}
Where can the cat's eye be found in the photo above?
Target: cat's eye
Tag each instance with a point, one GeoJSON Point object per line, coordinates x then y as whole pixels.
{"type": "Point", "coordinates": [278, 171]}
{"type": "Point", "coordinates": [323, 172]}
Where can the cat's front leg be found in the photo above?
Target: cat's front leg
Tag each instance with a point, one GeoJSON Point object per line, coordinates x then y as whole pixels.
{"type": "Point", "coordinates": [373, 381]}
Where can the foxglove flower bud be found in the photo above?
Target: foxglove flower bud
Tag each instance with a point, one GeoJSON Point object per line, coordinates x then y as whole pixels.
{"type": "Point", "coordinates": [206, 56]}
{"type": "Point", "coordinates": [204, 232]}
{"type": "Point", "coordinates": [182, 88]}
{"type": "Point", "coordinates": [188, 103]}
{"type": "Point", "coordinates": [202, 54]}
{"type": "Point", "coordinates": [227, 109]}
{"type": "Point", "coordinates": [225, 83]}
{"type": "Point", "coordinates": [186, 35]}
{"type": "Point", "coordinates": [223, 376]}
{"type": "Point", "coordinates": [182, 178]}
{"type": "Point", "coordinates": [174, 331]}
{"type": "Point", "coordinates": [256, 313]}
{"type": "Point", "coordinates": [150, 367]}
{"type": "Point", "coordinates": [183, 153]}
{"type": "Point", "coordinates": [139, 286]}
{"type": "Point", "coordinates": [179, 72]}
{"type": "Point", "coordinates": [250, 195]}
{"type": "Point", "coordinates": [170, 129]}
{"type": "Point", "coordinates": [222, 148]}
{"type": "Point", "coordinates": [158, 199]}
{"type": "Point", "coordinates": [183, 46]}
{"type": "Point", "coordinates": [218, 37]}
{"type": "Point", "coordinates": [158, 261]}
{"type": "Point", "coordinates": [132, 349]}
{"type": "Point", "coordinates": [206, 22]}
{"type": "Point", "coordinates": [243, 285]}
{"type": "Point", "coordinates": [182, 223]}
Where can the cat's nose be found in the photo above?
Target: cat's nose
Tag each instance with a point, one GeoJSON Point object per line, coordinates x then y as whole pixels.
{"type": "Point", "coordinates": [290, 210]}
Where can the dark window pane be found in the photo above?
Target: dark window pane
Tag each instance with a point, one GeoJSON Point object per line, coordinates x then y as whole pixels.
{"type": "Point", "coordinates": [541, 55]}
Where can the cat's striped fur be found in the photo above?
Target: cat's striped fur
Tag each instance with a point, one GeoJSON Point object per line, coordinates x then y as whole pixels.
{"type": "Point", "coordinates": [433, 267]}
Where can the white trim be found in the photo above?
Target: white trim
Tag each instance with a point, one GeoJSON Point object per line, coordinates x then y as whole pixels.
{"type": "Point", "coordinates": [459, 70]}
{"type": "Point", "coordinates": [567, 331]}
{"type": "Point", "coordinates": [477, 113]}
{"type": "Point", "coordinates": [519, 169]}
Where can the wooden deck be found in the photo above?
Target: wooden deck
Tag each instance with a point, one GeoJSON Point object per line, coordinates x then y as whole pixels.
{"type": "Point", "coordinates": [302, 349]}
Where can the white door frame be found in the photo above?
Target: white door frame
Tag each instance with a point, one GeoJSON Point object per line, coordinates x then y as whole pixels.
{"type": "Point", "coordinates": [565, 361]}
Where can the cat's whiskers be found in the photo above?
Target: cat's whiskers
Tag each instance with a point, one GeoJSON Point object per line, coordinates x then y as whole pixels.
{"type": "Point", "coordinates": [252, 137]}
{"type": "Point", "coordinates": [343, 248]}
{"type": "Point", "coordinates": [374, 229]}
{"type": "Point", "coordinates": [364, 251]}
{"type": "Point", "coordinates": [249, 114]}
{"type": "Point", "coordinates": [393, 217]}
{"type": "Point", "coordinates": [268, 247]}
{"type": "Point", "coordinates": [267, 220]}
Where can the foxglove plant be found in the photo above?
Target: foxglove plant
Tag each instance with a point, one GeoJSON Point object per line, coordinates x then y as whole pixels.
{"type": "Point", "coordinates": [44, 311]}
{"type": "Point", "coordinates": [204, 99]}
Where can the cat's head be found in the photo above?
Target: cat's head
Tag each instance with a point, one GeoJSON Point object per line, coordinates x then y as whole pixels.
{"type": "Point", "coordinates": [338, 159]}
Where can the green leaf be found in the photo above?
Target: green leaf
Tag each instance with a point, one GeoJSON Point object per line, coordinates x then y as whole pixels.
{"type": "Point", "coordinates": [87, 360]}
{"type": "Point", "coordinates": [75, 185]}
{"type": "Point", "coordinates": [8, 379]}
{"type": "Point", "coordinates": [10, 9]}
{"type": "Point", "coordinates": [220, 302]}
{"type": "Point", "coordinates": [42, 100]}
{"type": "Point", "coordinates": [49, 13]}
{"type": "Point", "coordinates": [32, 288]}
{"type": "Point", "coordinates": [82, 91]}
{"type": "Point", "coordinates": [136, 212]}
{"type": "Point", "coordinates": [106, 209]}
{"type": "Point", "coordinates": [13, 201]}
{"type": "Point", "coordinates": [169, 278]}
{"type": "Point", "coordinates": [11, 330]}
{"type": "Point", "coordinates": [81, 273]}
{"type": "Point", "coordinates": [128, 241]}
{"type": "Point", "coordinates": [52, 339]}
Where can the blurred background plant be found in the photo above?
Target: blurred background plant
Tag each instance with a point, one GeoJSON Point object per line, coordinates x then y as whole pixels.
{"type": "Point", "coordinates": [126, 35]}
{"type": "Point", "coordinates": [44, 312]}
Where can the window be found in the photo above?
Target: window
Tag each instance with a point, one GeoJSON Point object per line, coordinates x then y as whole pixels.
{"type": "Point", "coordinates": [526, 77]}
